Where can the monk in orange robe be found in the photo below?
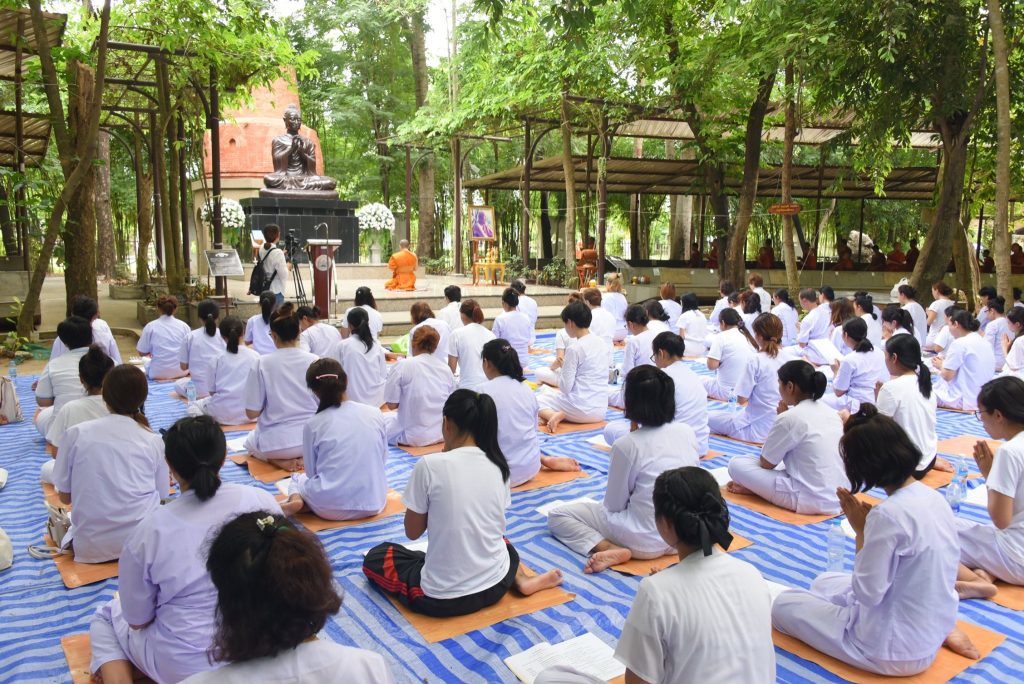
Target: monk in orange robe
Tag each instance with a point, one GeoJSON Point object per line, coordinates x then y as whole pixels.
{"type": "Point", "coordinates": [403, 269]}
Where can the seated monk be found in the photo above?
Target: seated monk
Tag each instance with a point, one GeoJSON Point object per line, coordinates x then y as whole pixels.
{"type": "Point", "coordinates": [897, 260]}
{"type": "Point", "coordinates": [766, 255]}
{"type": "Point", "coordinates": [845, 263]}
{"type": "Point", "coordinates": [878, 260]}
{"type": "Point", "coordinates": [403, 269]}
{"type": "Point", "coordinates": [588, 255]}
{"type": "Point", "coordinates": [294, 159]}
{"type": "Point", "coordinates": [810, 256]}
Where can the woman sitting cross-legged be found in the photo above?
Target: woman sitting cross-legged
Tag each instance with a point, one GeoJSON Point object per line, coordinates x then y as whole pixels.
{"type": "Point", "coordinates": [226, 402]}
{"type": "Point", "coordinates": [893, 614]}
{"type": "Point", "coordinates": [967, 365]}
{"type": "Point", "coordinates": [362, 357]}
{"type": "Point", "coordinates": [582, 395]}
{"type": "Point", "coordinates": [344, 450]}
{"type": "Point", "coordinates": [203, 346]}
{"type": "Point", "coordinates": [805, 437]}
{"type": "Point", "coordinates": [729, 352]}
{"type": "Point", "coordinates": [858, 371]}
{"type": "Point", "coordinates": [418, 387]}
{"type": "Point", "coordinates": [462, 494]}
{"type": "Point", "coordinates": [622, 527]}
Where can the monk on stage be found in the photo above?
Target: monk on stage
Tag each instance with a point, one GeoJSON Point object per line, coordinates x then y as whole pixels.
{"type": "Point", "coordinates": [403, 269]}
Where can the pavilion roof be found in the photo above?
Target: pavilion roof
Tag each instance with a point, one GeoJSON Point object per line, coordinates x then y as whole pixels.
{"type": "Point", "coordinates": [37, 135]}
{"type": "Point", "coordinates": [15, 28]}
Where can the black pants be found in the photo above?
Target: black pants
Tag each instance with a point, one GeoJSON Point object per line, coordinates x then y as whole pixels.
{"type": "Point", "coordinates": [919, 474]}
{"type": "Point", "coordinates": [396, 571]}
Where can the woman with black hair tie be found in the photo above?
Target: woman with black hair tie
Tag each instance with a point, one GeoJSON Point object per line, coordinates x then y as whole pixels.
{"type": "Point", "coordinates": [858, 371]}
{"type": "Point", "coordinates": [362, 357]}
{"type": "Point", "coordinates": [968, 363]}
{"type": "Point", "coordinates": [909, 400]}
{"type": "Point", "coordinates": [897, 321]}
{"type": "Point", "coordinates": [162, 622]}
{"type": "Point", "coordinates": [463, 493]}
{"type": "Point", "coordinates": [257, 328]}
{"type": "Point", "coordinates": [226, 402]}
{"type": "Point", "coordinates": [316, 337]}
{"type": "Point", "coordinates": [787, 312]}
{"type": "Point", "coordinates": [202, 348]}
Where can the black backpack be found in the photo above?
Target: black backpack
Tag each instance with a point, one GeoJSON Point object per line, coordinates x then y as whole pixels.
{"type": "Point", "coordinates": [259, 282]}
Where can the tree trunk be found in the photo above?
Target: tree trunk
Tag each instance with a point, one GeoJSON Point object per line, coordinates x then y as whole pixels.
{"type": "Point", "coordinates": [568, 168]}
{"type": "Point", "coordinates": [734, 264]}
{"type": "Point", "coordinates": [1001, 224]}
{"type": "Point", "coordinates": [167, 163]}
{"type": "Point", "coordinates": [679, 222]}
{"type": "Point", "coordinates": [425, 173]}
{"type": "Point", "coordinates": [7, 228]}
{"type": "Point", "coordinates": [968, 273]}
{"type": "Point", "coordinates": [80, 223]}
{"type": "Point", "coordinates": [143, 212]}
{"type": "Point", "coordinates": [545, 226]}
{"type": "Point", "coordinates": [105, 257]}
{"type": "Point", "coordinates": [788, 250]}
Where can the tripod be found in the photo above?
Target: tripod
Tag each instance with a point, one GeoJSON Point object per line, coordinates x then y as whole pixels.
{"type": "Point", "coordinates": [297, 284]}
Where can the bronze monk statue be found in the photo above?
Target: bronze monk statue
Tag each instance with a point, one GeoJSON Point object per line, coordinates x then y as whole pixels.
{"type": "Point", "coordinates": [295, 164]}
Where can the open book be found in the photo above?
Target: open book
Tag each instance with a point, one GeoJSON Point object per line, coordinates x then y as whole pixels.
{"type": "Point", "coordinates": [585, 653]}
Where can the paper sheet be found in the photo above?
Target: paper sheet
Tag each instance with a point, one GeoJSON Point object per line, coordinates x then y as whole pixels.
{"type": "Point", "coordinates": [848, 529]}
{"type": "Point", "coordinates": [774, 588]}
{"type": "Point", "coordinates": [282, 486]}
{"type": "Point", "coordinates": [978, 496]}
{"type": "Point", "coordinates": [237, 445]}
{"type": "Point", "coordinates": [548, 507]}
{"type": "Point", "coordinates": [721, 475]}
{"type": "Point", "coordinates": [585, 653]}
{"type": "Point", "coordinates": [599, 442]}
{"type": "Point", "coordinates": [826, 349]}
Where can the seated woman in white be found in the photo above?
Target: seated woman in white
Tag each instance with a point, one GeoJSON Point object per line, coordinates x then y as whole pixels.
{"type": "Point", "coordinates": [613, 300]}
{"type": "Point", "coordinates": [517, 414]}
{"type": "Point", "coordinates": [316, 337]}
{"type": "Point", "coordinates": [163, 619]}
{"type": "Point", "coordinates": [968, 364]}
{"type": "Point", "coordinates": [513, 325]}
{"type": "Point", "coordinates": [805, 437]}
{"type": "Point", "coordinates": [785, 309]}
{"type": "Point", "coordinates": [602, 323]}
{"type": "Point", "coordinates": [691, 400]}
{"type": "Point", "coordinates": [730, 352]}
{"type": "Point", "coordinates": [814, 326]}
{"type": "Point", "coordinates": [842, 311]}
{"type": "Point", "coordinates": [422, 315]}
{"type": "Point", "coordinates": [1013, 342]}
{"type": "Point", "coordinates": [725, 288]}
{"type": "Point", "coordinates": [362, 357]}
{"type": "Point", "coordinates": [466, 343]}
{"type": "Point", "coordinates": [276, 396]}
{"type": "Point", "coordinates": [638, 350]}
{"type": "Point", "coordinates": [460, 496]}
{"type": "Point", "coordinates": [59, 383]}
{"type": "Point", "coordinates": [344, 450]}
{"type": "Point", "coordinates": [582, 396]}
{"type": "Point", "coordinates": [275, 639]}
{"type": "Point", "coordinates": [553, 373]}
{"type": "Point", "coordinates": [897, 321]}
{"type": "Point", "coordinates": [907, 297]}
{"type": "Point", "coordinates": [111, 469]}
{"type": "Point", "coordinates": [856, 374]}
{"type": "Point", "coordinates": [996, 330]}
{"type": "Point", "coordinates": [162, 340]}
{"type": "Point", "coordinates": [942, 295]}
{"type": "Point", "coordinates": [623, 525]}
{"type": "Point", "coordinates": [257, 328]}
{"type": "Point", "coordinates": [659, 318]}
{"type": "Point", "coordinates": [757, 388]}
{"type": "Point", "coordinates": [226, 403]}
{"type": "Point", "coordinates": [364, 300]}
{"type": "Point", "coordinates": [864, 308]}
{"type": "Point", "coordinates": [92, 369]}
{"type": "Point", "coordinates": [693, 326]}
{"type": "Point", "coordinates": [203, 347]}
{"type": "Point", "coordinates": [416, 390]}
{"type": "Point", "coordinates": [670, 305]}
{"type": "Point", "coordinates": [750, 307]}
{"type": "Point", "coordinates": [892, 615]}
{"type": "Point", "coordinates": [996, 552]}
{"type": "Point", "coordinates": [102, 337]}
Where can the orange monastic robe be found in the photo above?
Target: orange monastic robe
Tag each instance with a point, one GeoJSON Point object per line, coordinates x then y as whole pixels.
{"type": "Point", "coordinates": [403, 270]}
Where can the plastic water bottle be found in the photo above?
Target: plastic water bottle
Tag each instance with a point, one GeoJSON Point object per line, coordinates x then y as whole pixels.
{"type": "Point", "coordinates": [12, 370]}
{"type": "Point", "coordinates": [190, 393]}
{"type": "Point", "coordinates": [732, 400]}
{"type": "Point", "coordinates": [956, 491]}
{"type": "Point", "coordinates": [961, 471]}
{"type": "Point", "coordinates": [836, 546]}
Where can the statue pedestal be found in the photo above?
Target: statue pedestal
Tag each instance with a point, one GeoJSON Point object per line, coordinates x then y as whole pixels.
{"type": "Point", "coordinates": [300, 217]}
{"type": "Point", "coordinates": [375, 253]}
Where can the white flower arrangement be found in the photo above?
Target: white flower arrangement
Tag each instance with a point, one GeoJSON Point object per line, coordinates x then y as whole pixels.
{"type": "Point", "coordinates": [232, 216]}
{"type": "Point", "coordinates": [375, 216]}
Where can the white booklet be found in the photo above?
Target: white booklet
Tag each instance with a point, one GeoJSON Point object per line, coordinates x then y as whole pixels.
{"type": "Point", "coordinates": [978, 496]}
{"type": "Point", "coordinates": [721, 475]}
{"type": "Point", "coordinates": [548, 507]}
{"type": "Point", "coordinates": [599, 442]}
{"type": "Point", "coordinates": [585, 653]}
{"type": "Point", "coordinates": [237, 445]}
{"type": "Point", "coordinates": [826, 349]}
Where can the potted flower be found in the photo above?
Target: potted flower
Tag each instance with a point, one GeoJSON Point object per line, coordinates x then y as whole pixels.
{"type": "Point", "coordinates": [374, 220]}
{"type": "Point", "coordinates": [232, 220]}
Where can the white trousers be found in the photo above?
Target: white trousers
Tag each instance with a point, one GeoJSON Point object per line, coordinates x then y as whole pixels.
{"type": "Point", "coordinates": [43, 420]}
{"type": "Point", "coordinates": [581, 527]}
{"type": "Point", "coordinates": [979, 548]}
{"type": "Point", "coordinates": [276, 455]}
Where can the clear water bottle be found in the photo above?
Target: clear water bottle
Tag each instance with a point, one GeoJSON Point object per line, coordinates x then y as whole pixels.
{"type": "Point", "coordinates": [12, 370]}
{"type": "Point", "coordinates": [190, 393]}
{"type": "Point", "coordinates": [956, 491]}
{"type": "Point", "coordinates": [961, 471]}
{"type": "Point", "coordinates": [836, 546]}
{"type": "Point", "coordinates": [732, 400]}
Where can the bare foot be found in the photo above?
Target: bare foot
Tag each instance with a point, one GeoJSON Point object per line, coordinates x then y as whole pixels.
{"type": "Point", "coordinates": [292, 505]}
{"type": "Point", "coordinates": [737, 488]}
{"type": "Point", "coordinates": [984, 574]}
{"type": "Point", "coordinates": [602, 560]}
{"type": "Point", "coordinates": [978, 589]}
{"type": "Point", "coordinates": [531, 585]}
{"type": "Point", "coordinates": [961, 644]}
{"type": "Point", "coordinates": [563, 463]}
{"type": "Point", "coordinates": [943, 465]}
{"type": "Point", "coordinates": [554, 421]}
{"type": "Point", "coordinates": [290, 464]}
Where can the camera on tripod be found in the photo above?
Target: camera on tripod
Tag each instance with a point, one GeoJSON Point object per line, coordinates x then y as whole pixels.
{"type": "Point", "coordinates": [292, 248]}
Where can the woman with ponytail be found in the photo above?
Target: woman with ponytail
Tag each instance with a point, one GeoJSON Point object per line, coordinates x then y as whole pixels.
{"type": "Point", "coordinates": [257, 328]}
{"type": "Point", "coordinates": [344, 451]}
{"type": "Point", "coordinates": [364, 300]}
{"type": "Point", "coordinates": [622, 526]}
{"type": "Point", "coordinates": [893, 614]}
{"type": "Point", "coordinates": [805, 437]}
{"type": "Point", "coordinates": [276, 396]}
{"type": "Point", "coordinates": [316, 337]}
{"type": "Point", "coordinates": [163, 619]}
{"type": "Point", "coordinates": [996, 329]}
{"type": "Point", "coordinates": [466, 343]}
{"type": "Point", "coordinates": [272, 636]}
{"type": "Point", "coordinates": [226, 403]}
{"type": "Point", "coordinates": [658, 318]}
{"type": "Point", "coordinates": [416, 389]}
{"type": "Point", "coordinates": [202, 348]}
{"type": "Point", "coordinates": [786, 310]}
{"type": "Point", "coordinates": [864, 308]}
{"type": "Point", "coordinates": [856, 373]}
{"type": "Point", "coordinates": [906, 295]}
{"type": "Point", "coordinates": [462, 494]}
{"type": "Point", "coordinates": [909, 400]}
{"type": "Point", "coordinates": [942, 295]}
{"type": "Point", "coordinates": [638, 346]}
{"type": "Point", "coordinates": [729, 353]}
{"type": "Point", "coordinates": [363, 360]}
{"type": "Point", "coordinates": [897, 321]}
{"type": "Point", "coordinates": [968, 364]}
{"type": "Point", "coordinates": [162, 341]}
{"type": "Point", "coordinates": [111, 469]}
{"type": "Point", "coordinates": [693, 326]}
{"type": "Point", "coordinates": [757, 388]}
{"type": "Point", "coordinates": [1013, 342]}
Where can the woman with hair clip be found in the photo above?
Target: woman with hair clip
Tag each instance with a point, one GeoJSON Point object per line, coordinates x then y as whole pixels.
{"type": "Point", "coordinates": [864, 308]}
{"type": "Point", "coordinates": [162, 621]}
{"type": "Point", "coordinates": [226, 403]}
{"type": "Point", "coordinates": [997, 328]}
{"type": "Point", "coordinates": [805, 437]}
{"type": "Point", "coordinates": [943, 299]}
{"type": "Point", "coordinates": [906, 295]}
{"type": "Point", "coordinates": [856, 373]}
{"type": "Point", "coordinates": [416, 390]}
{"type": "Point", "coordinates": [730, 352]}
{"type": "Point", "coordinates": [1012, 342]}
{"type": "Point", "coordinates": [893, 614]}
{"type": "Point", "coordinates": [670, 305]}
{"type": "Point", "coordinates": [517, 410]}
{"type": "Point", "coordinates": [693, 326]}
{"type": "Point", "coordinates": [968, 364]}
{"type": "Point", "coordinates": [362, 357]}
{"type": "Point", "coordinates": [513, 325]}
{"type": "Point", "coordinates": [996, 552]}
{"type": "Point", "coordinates": [316, 337]}
{"type": "Point", "coordinates": [897, 321]}
{"type": "Point", "coordinates": [344, 451]}
{"type": "Point", "coordinates": [622, 526]}
{"type": "Point", "coordinates": [112, 469]}
{"type": "Point", "coordinates": [658, 320]}
{"type": "Point", "coordinates": [909, 400]}
{"type": "Point", "coordinates": [423, 316]}
{"type": "Point", "coordinates": [462, 494]}
{"type": "Point", "coordinates": [270, 637]}
{"type": "Point", "coordinates": [257, 328]}
{"type": "Point", "coordinates": [757, 388]}
{"type": "Point", "coordinates": [364, 300]}
{"type": "Point", "coordinates": [203, 347]}
{"type": "Point", "coordinates": [786, 310]}
{"type": "Point", "coordinates": [276, 396]}
{"type": "Point", "coordinates": [162, 340]}
{"type": "Point", "coordinates": [466, 344]}
{"type": "Point", "coordinates": [613, 300]}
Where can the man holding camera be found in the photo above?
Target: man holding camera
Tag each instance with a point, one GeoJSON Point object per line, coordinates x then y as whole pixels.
{"type": "Point", "coordinates": [275, 266]}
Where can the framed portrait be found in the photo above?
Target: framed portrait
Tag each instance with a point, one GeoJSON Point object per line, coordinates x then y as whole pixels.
{"type": "Point", "coordinates": [481, 223]}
